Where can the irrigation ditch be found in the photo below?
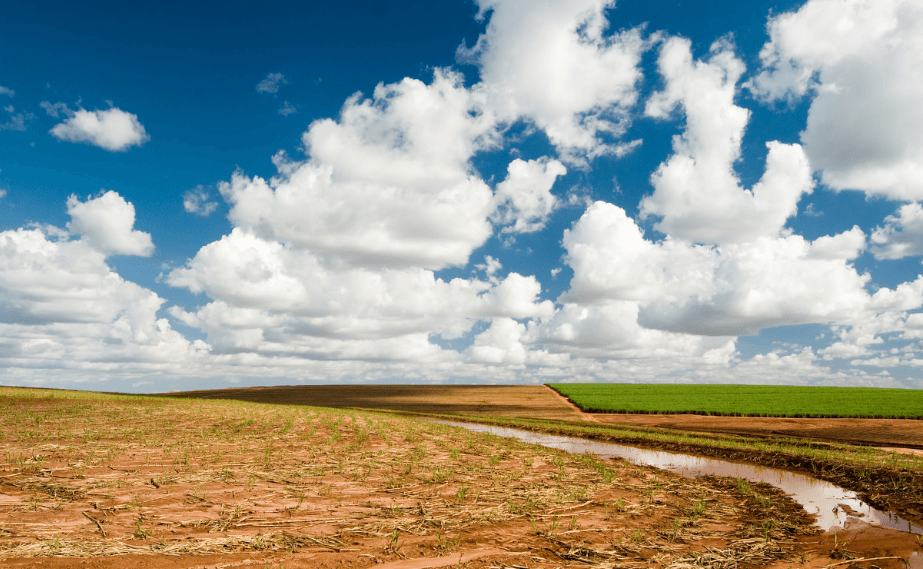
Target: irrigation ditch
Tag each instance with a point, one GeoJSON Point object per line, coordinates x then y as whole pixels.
{"type": "Point", "coordinates": [892, 483]}
{"type": "Point", "coordinates": [834, 507]}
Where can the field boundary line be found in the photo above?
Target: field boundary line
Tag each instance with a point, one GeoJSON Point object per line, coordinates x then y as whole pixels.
{"type": "Point", "coordinates": [583, 415]}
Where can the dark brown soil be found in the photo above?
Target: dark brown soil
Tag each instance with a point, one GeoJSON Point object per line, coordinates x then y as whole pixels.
{"type": "Point", "coordinates": [541, 402]}
{"type": "Point", "coordinates": [487, 400]}
{"type": "Point", "coordinates": [906, 433]}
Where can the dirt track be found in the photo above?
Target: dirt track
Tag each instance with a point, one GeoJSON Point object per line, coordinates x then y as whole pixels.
{"type": "Point", "coordinates": [542, 402]}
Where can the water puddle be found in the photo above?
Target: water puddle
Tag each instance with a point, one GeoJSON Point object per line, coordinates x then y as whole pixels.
{"type": "Point", "coordinates": [833, 506]}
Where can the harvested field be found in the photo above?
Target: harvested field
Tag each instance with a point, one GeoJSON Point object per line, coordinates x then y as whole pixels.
{"type": "Point", "coordinates": [120, 481]}
{"type": "Point", "coordinates": [541, 402]}
{"type": "Point", "coordinates": [486, 400]}
{"type": "Point", "coordinates": [890, 481]}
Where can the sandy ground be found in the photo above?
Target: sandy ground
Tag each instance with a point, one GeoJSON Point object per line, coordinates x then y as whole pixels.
{"type": "Point", "coordinates": [209, 484]}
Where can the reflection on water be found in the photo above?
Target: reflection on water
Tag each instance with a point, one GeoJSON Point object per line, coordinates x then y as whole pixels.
{"type": "Point", "coordinates": [832, 505]}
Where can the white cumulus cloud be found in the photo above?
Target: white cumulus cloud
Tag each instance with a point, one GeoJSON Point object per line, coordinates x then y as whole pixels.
{"type": "Point", "coordinates": [112, 129]}
{"type": "Point", "coordinates": [524, 198]}
{"type": "Point", "coordinates": [554, 64]}
{"type": "Point", "coordinates": [107, 223]}
{"type": "Point", "coordinates": [382, 187]}
{"type": "Point", "coordinates": [902, 234]}
{"type": "Point", "coordinates": [728, 290]}
{"type": "Point", "coordinates": [64, 311]}
{"type": "Point", "coordinates": [861, 60]}
{"type": "Point", "coordinates": [271, 297]}
{"type": "Point", "coordinates": [696, 191]}
{"type": "Point", "coordinates": [610, 330]}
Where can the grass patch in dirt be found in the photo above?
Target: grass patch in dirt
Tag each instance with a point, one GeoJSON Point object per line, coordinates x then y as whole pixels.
{"type": "Point", "coordinates": [113, 477]}
{"type": "Point", "coordinates": [745, 400]}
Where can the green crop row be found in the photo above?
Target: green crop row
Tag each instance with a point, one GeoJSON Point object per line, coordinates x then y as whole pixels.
{"type": "Point", "coordinates": [745, 400]}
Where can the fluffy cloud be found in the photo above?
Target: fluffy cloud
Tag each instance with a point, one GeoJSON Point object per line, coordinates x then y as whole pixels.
{"type": "Point", "coordinates": [612, 260]}
{"type": "Point", "coordinates": [500, 343]}
{"type": "Point", "coordinates": [271, 83]}
{"type": "Point", "coordinates": [354, 261]}
{"type": "Point", "coordinates": [730, 290]}
{"type": "Point", "coordinates": [611, 330]}
{"type": "Point", "coordinates": [847, 245]}
{"type": "Point", "coordinates": [902, 234]}
{"type": "Point", "coordinates": [112, 129]}
{"type": "Point", "coordinates": [862, 60]}
{"type": "Point", "coordinates": [264, 289]}
{"type": "Point", "coordinates": [381, 187]}
{"type": "Point", "coordinates": [6, 91]}
{"type": "Point", "coordinates": [62, 307]}
{"type": "Point", "coordinates": [524, 198]}
{"type": "Point", "coordinates": [766, 283]}
{"type": "Point", "coordinates": [390, 140]}
{"type": "Point", "coordinates": [504, 342]}
{"type": "Point", "coordinates": [334, 257]}
{"type": "Point", "coordinates": [696, 191]}
{"type": "Point", "coordinates": [47, 280]}
{"type": "Point", "coordinates": [553, 63]}
{"type": "Point", "coordinates": [107, 224]}
{"type": "Point", "coordinates": [198, 201]}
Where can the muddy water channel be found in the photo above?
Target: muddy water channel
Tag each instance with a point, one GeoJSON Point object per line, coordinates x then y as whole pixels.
{"type": "Point", "coordinates": [834, 507]}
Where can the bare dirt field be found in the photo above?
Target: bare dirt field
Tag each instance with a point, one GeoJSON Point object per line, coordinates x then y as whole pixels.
{"type": "Point", "coordinates": [119, 482]}
{"type": "Point", "coordinates": [542, 402]}
{"type": "Point", "coordinates": [906, 433]}
{"type": "Point", "coordinates": [486, 400]}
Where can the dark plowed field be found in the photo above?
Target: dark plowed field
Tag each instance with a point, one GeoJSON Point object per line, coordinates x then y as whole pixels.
{"type": "Point", "coordinates": [494, 400]}
{"type": "Point", "coordinates": [538, 401]}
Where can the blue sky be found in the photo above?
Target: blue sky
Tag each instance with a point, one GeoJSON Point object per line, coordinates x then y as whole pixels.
{"type": "Point", "coordinates": [501, 191]}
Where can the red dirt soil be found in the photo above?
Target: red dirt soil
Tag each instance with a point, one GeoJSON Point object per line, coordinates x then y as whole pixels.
{"type": "Point", "coordinates": [542, 402]}
{"type": "Point", "coordinates": [137, 474]}
{"type": "Point", "coordinates": [907, 433]}
{"type": "Point", "coordinates": [122, 483]}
